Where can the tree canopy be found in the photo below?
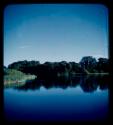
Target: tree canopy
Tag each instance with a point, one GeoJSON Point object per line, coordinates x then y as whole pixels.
{"type": "Point", "coordinates": [87, 64]}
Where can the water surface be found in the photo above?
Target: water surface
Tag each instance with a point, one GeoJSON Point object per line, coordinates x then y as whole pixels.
{"type": "Point", "coordinates": [81, 99]}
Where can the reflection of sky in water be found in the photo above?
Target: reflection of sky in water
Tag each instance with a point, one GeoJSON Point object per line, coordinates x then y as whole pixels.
{"type": "Point", "coordinates": [55, 103]}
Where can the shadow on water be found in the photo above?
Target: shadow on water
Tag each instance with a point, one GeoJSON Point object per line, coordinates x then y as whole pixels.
{"type": "Point", "coordinates": [88, 83]}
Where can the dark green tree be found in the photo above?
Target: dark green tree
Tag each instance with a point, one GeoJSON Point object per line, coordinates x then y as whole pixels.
{"type": "Point", "coordinates": [89, 63]}
{"type": "Point", "coordinates": [103, 65]}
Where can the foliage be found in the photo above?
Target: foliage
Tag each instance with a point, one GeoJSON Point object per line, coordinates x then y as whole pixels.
{"type": "Point", "coordinates": [24, 66]}
{"type": "Point", "coordinates": [103, 65]}
{"type": "Point", "coordinates": [87, 65]}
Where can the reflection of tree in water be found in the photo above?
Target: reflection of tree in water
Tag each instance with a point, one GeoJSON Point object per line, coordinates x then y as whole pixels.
{"type": "Point", "coordinates": [87, 83]}
{"type": "Point", "coordinates": [91, 83]}
{"type": "Point", "coordinates": [59, 82]}
{"type": "Point", "coordinates": [104, 81]}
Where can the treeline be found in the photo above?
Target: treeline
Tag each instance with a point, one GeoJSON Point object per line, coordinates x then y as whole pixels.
{"type": "Point", "coordinates": [88, 64]}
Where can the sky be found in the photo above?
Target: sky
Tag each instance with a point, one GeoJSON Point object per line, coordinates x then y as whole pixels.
{"type": "Point", "coordinates": [55, 32]}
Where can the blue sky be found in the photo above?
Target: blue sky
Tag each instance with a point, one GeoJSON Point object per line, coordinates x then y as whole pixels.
{"type": "Point", "coordinates": [55, 32]}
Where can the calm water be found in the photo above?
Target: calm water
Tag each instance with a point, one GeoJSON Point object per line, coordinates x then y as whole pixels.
{"type": "Point", "coordinates": [78, 99]}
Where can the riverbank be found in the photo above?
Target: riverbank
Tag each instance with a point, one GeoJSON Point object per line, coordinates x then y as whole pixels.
{"type": "Point", "coordinates": [88, 74]}
{"type": "Point", "coordinates": [16, 78]}
{"type": "Point", "coordinates": [98, 74]}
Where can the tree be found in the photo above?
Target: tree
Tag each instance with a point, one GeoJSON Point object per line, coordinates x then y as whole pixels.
{"type": "Point", "coordinates": [24, 66]}
{"type": "Point", "coordinates": [103, 65]}
{"type": "Point", "coordinates": [89, 63]}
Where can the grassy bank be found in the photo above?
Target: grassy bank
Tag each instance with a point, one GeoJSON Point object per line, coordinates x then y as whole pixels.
{"type": "Point", "coordinates": [15, 78]}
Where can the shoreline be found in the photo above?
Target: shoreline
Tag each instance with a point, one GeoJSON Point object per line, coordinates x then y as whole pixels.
{"type": "Point", "coordinates": [9, 83]}
{"type": "Point", "coordinates": [85, 74]}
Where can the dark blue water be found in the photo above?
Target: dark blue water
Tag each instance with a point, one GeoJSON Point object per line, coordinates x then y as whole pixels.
{"type": "Point", "coordinates": [56, 103]}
